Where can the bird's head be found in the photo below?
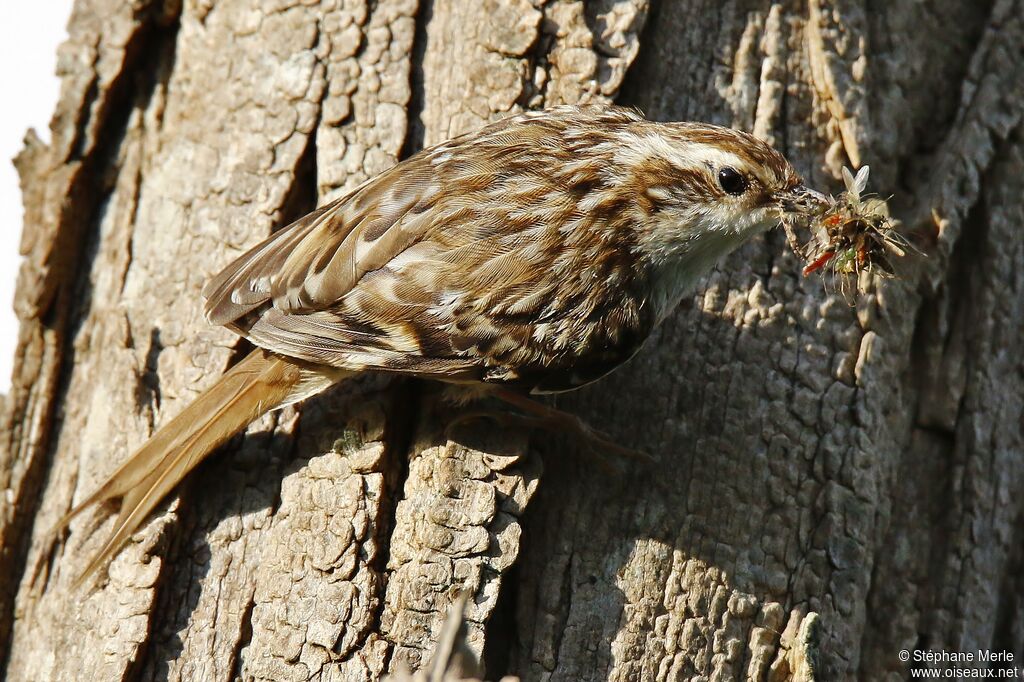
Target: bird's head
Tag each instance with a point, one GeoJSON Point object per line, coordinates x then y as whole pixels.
{"type": "Point", "coordinates": [704, 190]}
{"type": "Point", "coordinates": [710, 188]}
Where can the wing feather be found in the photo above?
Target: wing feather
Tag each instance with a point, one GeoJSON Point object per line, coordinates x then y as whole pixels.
{"type": "Point", "coordinates": [312, 263]}
{"type": "Point", "coordinates": [245, 284]}
{"type": "Point", "coordinates": [449, 265]}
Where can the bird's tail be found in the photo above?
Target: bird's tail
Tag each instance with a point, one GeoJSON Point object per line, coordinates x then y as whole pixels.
{"type": "Point", "coordinates": [256, 385]}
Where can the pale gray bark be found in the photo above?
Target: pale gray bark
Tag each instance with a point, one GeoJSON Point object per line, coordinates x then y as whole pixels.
{"type": "Point", "coordinates": [836, 482]}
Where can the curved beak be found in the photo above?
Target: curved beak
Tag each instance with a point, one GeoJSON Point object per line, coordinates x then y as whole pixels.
{"type": "Point", "coordinates": [799, 200]}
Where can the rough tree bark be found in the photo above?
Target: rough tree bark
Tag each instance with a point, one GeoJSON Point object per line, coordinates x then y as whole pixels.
{"type": "Point", "coordinates": [836, 482]}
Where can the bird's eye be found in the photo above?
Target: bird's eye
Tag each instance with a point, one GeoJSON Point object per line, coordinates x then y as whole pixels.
{"type": "Point", "coordinates": [732, 181]}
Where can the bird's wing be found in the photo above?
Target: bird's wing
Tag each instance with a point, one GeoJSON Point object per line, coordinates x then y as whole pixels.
{"type": "Point", "coordinates": [451, 264]}
{"type": "Point", "coordinates": [312, 263]}
{"type": "Point", "coordinates": [315, 290]}
{"type": "Point", "coordinates": [372, 280]}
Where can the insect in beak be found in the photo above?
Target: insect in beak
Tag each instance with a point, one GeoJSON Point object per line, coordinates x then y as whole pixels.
{"type": "Point", "coordinates": [801, 205]}
{"type": "Point", "coordinates": [851, 233]}
{"type": "Point", "coordinates": [801, 201]}
{"type": "Point", "coordinates": [819, 262]}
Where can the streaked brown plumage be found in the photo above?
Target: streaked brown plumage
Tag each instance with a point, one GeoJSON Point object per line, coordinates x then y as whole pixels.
{"type": "Point", "coordinates": [537, 254]}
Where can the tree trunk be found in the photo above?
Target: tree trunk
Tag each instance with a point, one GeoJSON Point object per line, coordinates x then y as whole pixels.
{"type": "Point", "coordinates": [835, 483]}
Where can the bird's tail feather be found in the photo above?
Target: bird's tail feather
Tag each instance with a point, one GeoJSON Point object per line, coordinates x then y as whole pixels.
{"type": "Point", "coordinates": [256, 385]}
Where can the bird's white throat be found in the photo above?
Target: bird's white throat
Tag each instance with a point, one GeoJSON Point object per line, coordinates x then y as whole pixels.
{"type": "Point", "coordinates": [678, 275]}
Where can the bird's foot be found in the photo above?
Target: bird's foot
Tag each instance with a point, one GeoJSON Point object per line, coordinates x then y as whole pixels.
{"type": "Point", "coordinates": [540, 416]}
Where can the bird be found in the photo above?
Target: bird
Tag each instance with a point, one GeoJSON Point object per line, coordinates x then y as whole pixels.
{"type": "Point", "coordinates": [531, 256]}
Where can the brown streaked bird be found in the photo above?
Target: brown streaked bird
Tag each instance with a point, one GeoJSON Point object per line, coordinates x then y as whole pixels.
{"type": "Point", "coordinates": [534, 255]}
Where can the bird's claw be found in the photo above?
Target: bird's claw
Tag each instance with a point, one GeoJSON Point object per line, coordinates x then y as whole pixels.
{"type": "Point", "coordinates": [551, 419]}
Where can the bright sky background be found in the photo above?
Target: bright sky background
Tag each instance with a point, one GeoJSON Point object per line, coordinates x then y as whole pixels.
{"type": "Point", "coordinates": [30, 31]}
